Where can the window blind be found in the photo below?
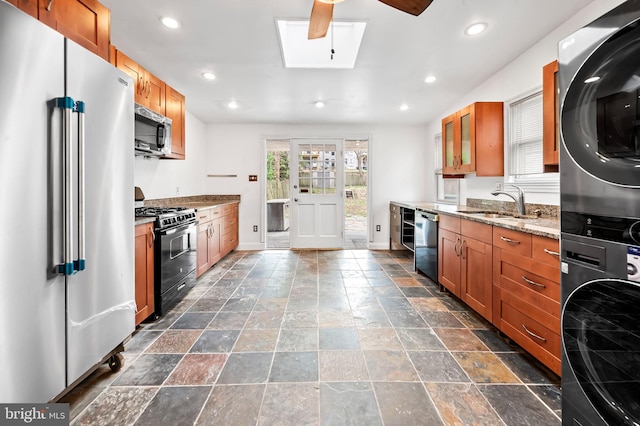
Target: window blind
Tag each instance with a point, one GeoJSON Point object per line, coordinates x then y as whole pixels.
{"type": "Point", "coordinates": [526, 136]}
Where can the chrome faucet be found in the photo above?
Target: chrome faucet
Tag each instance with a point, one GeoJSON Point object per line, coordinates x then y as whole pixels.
{"type": "Point", "coordinates": [520, 207]}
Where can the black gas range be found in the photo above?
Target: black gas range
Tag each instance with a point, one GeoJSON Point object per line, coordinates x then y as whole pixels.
{"type": "Point", "coordinates": [175, 253]}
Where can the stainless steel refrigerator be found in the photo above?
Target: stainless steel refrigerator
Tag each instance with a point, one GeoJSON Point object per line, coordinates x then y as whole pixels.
{"type": "Point", "coordinates": [66, 209]}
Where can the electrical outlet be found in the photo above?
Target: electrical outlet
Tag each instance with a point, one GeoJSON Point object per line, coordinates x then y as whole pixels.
{"type": "Point", "coordinates": [177, 189]}
{"type": "Point", "coordinates": [255, 228]}
{"type": "Point", "coordinates": [378, 228]}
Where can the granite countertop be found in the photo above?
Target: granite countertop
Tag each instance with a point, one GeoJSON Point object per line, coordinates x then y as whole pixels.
{"type": "Point", "coordinates": [545, 226]}
{"type": "Point", "coordinates": [143, 219]}
{"type": "Point", "coordinates": [197, 202]}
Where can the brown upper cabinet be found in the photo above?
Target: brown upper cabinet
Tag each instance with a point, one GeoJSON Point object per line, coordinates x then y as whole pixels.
{"type": "Point", "coordinates": [27, 6]}
{"type": "Point", "coordinates": [175, 108]}
{"type": "Point", "coordinates": [87, 22]}
{"type": "Point", "coordinates": [551, 117]}
{"type": "Point", "coordinates": [149, 89]}
{"type": "Point", "coordinates": [473, 140]}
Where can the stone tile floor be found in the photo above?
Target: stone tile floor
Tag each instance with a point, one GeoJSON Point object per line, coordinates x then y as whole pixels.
{"type": "Point", "coordinates": [348, 337]}
{"type": "Point", "coordinates": [355, 235]}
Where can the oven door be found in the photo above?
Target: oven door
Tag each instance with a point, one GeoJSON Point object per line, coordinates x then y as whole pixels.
{"type": "Point", "coordinates": [600, 118]}
{"type": "Point", "coordinates": [177, 256]}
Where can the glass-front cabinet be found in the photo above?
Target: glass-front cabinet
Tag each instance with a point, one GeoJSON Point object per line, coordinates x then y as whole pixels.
{"type": "Point", "coordinates": [476, 130]}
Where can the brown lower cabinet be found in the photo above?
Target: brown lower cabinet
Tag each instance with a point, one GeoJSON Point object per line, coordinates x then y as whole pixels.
{"type": "Point", "coordinates": [217, 235]}
{"type": "Point", "coordinates": [465, 262]}
{"type": "Point", "coordinates": [526, 293]}
{"type": "Point", "coordinates": [509, 277]}
{"type": "Point", "coordinates": [144, 252]}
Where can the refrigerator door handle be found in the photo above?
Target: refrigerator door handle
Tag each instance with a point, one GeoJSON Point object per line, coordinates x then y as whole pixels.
{"type": "Point", "coordinates": [66, 104]}
{"type": "Point", "coordinates": [80, 263]}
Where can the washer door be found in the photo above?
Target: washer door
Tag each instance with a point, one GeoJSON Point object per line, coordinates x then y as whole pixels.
{"type": "Point", "coordinates": [601, 336]}
{"type": "Point", "coordinates": [600, 113]}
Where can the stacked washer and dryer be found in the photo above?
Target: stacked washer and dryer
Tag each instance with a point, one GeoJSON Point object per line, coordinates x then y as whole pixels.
{"type": "Point", "coordinates": [599, 83]}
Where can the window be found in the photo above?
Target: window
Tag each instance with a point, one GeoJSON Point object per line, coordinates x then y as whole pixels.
{"type": "Point", "coordinates": [447, 190]}
{"type": "Point", "coordinates": [525, 165]}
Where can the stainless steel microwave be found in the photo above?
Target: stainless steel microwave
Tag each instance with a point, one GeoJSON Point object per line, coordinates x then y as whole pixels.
{"type": "Point", "coordinates": [152, 133]}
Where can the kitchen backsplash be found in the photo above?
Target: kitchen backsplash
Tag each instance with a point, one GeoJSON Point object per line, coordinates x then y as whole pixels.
{"type": "Point", "coordinates": [546, 210]}
{"type": "Point", "coordinates": [175, 201]}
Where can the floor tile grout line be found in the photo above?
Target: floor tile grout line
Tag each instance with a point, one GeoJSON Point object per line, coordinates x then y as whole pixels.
{"type": "Point", "coordinates": [273, 354]}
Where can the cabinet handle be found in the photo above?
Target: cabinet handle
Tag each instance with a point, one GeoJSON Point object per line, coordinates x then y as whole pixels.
{"type": "Point", "coordinates": [463, 249]}
{"type": "Point", "coordinates": [140, 88]}
{"type": "Point", "coordinates": [528, 281]}
{"type": "Point", "coordinates": [152, 239]}
{"type": "Point", "coordinates": [509, 240]}
{"type": "Point", "coordinates": [533, 334]}
{"type": "Point", "coordinates": [552, 253]}
{"type": "Point", "coordinates": [49, 5]}
{"type": "Point", "coordinates": [456, 248]}
{"type": "Point", "coordinates": [148, 89]}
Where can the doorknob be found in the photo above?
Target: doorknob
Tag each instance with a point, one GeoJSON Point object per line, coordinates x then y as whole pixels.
{"type": "Point", "coordinates": [295, 186]}
{"type": "Point", "coordinates": [295, 199]}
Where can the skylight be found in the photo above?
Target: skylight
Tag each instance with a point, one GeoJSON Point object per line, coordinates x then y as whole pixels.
{"type": "Point", "coordinates": [298, 52]}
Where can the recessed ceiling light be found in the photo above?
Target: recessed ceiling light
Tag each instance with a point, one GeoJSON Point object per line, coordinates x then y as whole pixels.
{"type": "Point", "coordinates": [430, 79]}
{"type": "Point", "coordinates": [209, 75]}
{"type": "Point", "coordinates": [404, 107]}
{"type": "Point", "coordinates": [592, 79]}
{"type": "Point", "coordinates": [170, 22]}
{"type": "Point", "coordinates": [319, 104]}
{"type": "Point", "coordinates": [233, 105]}
{"type": "Point", "coordinates": [476, 28]}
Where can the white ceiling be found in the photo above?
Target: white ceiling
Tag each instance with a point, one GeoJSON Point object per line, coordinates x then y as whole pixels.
{"type": "Point", "coordinates": [237, 40]}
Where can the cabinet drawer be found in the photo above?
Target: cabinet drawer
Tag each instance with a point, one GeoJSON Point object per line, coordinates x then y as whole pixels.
{"type": "Point", "coordinates": [450, 223]}
{"type": "Point", "coordinates": [476, 230]}
{"type": "Point", "coordinates": [229, 242]}
{"type": "Point", "coordinates": [229, 209]}
{"type": "Point", "coordinates": [546, 250]}
{"type": "Point", "coordinates": [526, 286]}
{"type": "Point", "coordinates": [510, 240]}
{"type": "Point", "coordinates": [203, 216]}
{"type": "Point", "coordinates": [544, 270]}
{"type": "Point", "coordinates": [215, 212]}
{"type": "Point", "coordinates": [229, 224]}
{"type": "Point", "coordinates": [540, 341]}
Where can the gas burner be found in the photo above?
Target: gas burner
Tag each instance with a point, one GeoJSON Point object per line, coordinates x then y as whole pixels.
{"type": "Point", "coordinates": [167, 217]}
{"type": "Point", "coordinates": [157, 211]}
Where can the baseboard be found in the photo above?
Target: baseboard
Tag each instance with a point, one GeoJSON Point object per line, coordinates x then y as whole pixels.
{"type": "Point", "coordinates": [378, 246]}
{"type": "Point", "coordinates": [250, 246]}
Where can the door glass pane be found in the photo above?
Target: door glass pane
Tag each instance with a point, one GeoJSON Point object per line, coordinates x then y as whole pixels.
{"type": "Point", "coordinates": [304, 152]}
{"type": "Point", "coordinates": [465, 128]}
{"type": "Point", "coordinates": [448, 134]}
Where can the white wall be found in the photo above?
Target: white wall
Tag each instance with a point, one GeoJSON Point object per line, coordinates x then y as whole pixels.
{"type": "Point", "coordinates": [170, 178]}
{"type": "Point", "coordinates": [523, 75]}
{"type": "Point", "coordinates": [396, 169]}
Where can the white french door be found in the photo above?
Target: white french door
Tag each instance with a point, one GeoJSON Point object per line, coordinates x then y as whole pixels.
{"type": "Point", "coordinates": [317, 189]}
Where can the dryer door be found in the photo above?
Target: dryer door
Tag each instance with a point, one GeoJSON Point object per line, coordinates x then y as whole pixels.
{"type": "Point", "coordinates": [601, 337]}
{"type": "Point", "coordinates": [600, 115]}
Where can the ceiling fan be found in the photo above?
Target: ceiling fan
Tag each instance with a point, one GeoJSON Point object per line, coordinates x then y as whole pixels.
{"type": "Point", "coordinates": [322, 13]}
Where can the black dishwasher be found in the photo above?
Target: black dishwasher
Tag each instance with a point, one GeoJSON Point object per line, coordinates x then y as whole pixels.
{"type": "Point", "coordinates": [426, 244]}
